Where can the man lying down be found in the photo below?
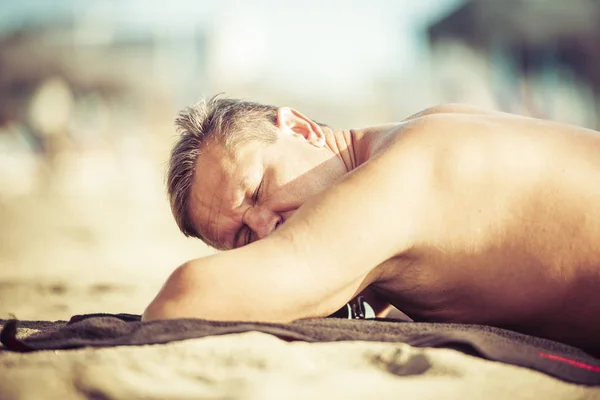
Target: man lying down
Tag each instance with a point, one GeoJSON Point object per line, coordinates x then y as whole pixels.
{"type": "Point", "coordinates": [456, 214]}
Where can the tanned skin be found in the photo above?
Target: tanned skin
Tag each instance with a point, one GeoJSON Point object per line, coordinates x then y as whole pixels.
{"type": "Point", "coordinates": [454, 215]}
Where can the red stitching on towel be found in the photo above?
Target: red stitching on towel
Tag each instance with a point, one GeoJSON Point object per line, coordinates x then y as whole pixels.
{"type": "Point", "coordinates": [569, 361]}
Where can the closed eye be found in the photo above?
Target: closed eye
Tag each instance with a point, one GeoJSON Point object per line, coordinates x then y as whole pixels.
{"type": "Point", "coordinates": [245, 230]}
{"type": "Point", "coordinates": [257, 192]}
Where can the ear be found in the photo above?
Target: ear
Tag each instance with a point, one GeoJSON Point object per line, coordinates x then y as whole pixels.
{"type": "Point", "coordinates": [294, 122]}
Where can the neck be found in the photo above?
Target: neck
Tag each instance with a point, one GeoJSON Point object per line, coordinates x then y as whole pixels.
{"type": "Point", "coordinates": [352, 147]}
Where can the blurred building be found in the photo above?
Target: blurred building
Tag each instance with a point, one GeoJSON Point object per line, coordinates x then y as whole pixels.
{"type": "Point", "coordinates": [526, 56]}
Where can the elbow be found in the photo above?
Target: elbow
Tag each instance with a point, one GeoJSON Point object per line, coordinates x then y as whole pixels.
{"type": "Point", "coordinates": [159, 309]}
{"type": "Point", "coordinates": [175, 299]}
{"type": "Point", "coordinates": [152, 313]}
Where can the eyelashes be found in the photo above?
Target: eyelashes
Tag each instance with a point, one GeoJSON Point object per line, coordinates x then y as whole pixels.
{"type": "Point", "coordinates": [257, 193]}
{"type": "Point", "coordinates": [247, 232]}
{"type": "Point", "coordinates": [248, 235]}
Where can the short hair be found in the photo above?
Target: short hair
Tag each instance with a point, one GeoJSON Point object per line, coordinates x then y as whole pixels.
{"type": "Point", "coordinates": [230, 122]}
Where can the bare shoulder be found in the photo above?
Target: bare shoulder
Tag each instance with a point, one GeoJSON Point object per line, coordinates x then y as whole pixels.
{"type": "Point", "coordinates": [440, 128]}
{"type": "Point", "coordinates": [434, 123]}
{"type": "Point", "coordinates": [454, 108]}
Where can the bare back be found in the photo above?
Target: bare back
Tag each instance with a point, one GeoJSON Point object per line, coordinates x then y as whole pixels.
{"type": "Point", "coordinates": [507, 229]}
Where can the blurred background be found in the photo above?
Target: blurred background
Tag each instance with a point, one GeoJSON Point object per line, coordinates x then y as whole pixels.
{"type": "Point", "coordinates": [89, 90]}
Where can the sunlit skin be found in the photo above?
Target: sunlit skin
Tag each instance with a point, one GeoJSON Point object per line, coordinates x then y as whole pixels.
{"type": "Point", "coordinates": [455, 215]}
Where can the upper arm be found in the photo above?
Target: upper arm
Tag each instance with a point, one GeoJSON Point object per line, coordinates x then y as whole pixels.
{"type": "Point", "coordinates": [263, 282]}
{"type": "Point", "coordinates": [364, 219]}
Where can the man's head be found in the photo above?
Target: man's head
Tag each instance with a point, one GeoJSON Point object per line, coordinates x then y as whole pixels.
{"type": "Point", "coordinates": [239, 169]}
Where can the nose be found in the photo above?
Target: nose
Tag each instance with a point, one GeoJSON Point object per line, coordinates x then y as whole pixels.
{"type": "Point", "coordinates": [262, 221]}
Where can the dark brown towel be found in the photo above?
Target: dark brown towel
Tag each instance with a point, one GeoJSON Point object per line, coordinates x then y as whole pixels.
{"type": "Point", "coordinates": [101, 330]}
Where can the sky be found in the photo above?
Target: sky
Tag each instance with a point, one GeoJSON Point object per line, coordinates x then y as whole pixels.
{"type": "Point", "coordinates": [341, 48]}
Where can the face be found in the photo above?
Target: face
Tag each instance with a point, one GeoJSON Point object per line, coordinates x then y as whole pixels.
{"type": "Point", "coordinates": [242, 197]}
